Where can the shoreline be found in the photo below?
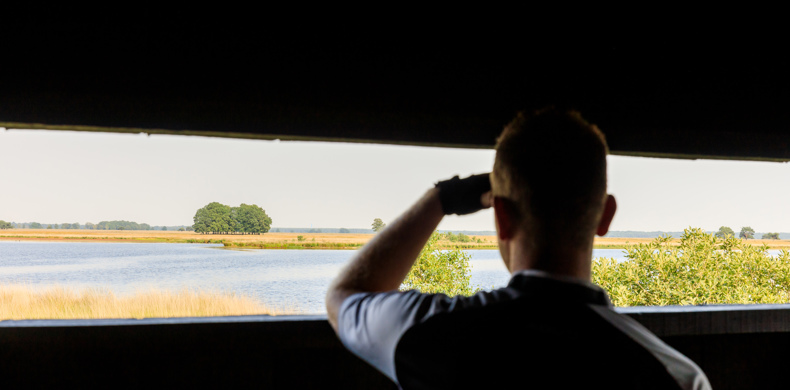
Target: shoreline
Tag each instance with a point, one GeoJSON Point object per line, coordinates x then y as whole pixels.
{"type": "Point", "coordinates": [288, 241]}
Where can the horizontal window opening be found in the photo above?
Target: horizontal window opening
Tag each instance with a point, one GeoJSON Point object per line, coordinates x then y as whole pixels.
{"type": "Point", "coordinates": [135, 226]}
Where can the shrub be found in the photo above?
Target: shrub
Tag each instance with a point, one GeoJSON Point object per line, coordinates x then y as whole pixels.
{"type": "Point", "coordinates": [452, 237]}
{"type": "Point", "coordinates": [703, 269]}
{"type": "Point", "coordinates": [437, 271]}
{"type": "Point", "coordinates": [300, 238]}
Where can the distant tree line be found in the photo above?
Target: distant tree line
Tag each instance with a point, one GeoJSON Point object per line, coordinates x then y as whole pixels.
{"type": "Point", "coordinates": [75, 225]}
{"type": "Point", "coordinates": [321, 230]}
{"type": "Point", "coordinates": [122, 225]}
{"type": "Point", "coordinates": [5, 225]}
{"type": "Point", "coordinates": [746, 233]}
{"type": "Point", "coordinates": [217, 218]}
{"type": "Point", "coordinates": [103, 225]}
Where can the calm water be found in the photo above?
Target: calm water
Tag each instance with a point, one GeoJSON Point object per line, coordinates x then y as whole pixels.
{"type": "Point", "coordinates": [292, 278]}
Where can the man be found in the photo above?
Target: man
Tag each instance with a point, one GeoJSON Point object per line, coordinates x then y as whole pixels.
{"type": "Point", "coordinates": [550, 327]}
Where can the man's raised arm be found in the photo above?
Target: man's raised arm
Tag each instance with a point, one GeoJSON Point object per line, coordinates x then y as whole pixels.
{"type": "Point", "coordinates": [383, 263]}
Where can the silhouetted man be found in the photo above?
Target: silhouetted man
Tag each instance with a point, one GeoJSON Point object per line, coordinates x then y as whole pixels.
{"type": "Point", "coordinates": [550, 327]}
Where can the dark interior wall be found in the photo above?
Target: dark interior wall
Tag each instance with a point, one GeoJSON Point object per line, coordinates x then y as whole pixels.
{"type": "Point", "coordinates": [225, 352]}
{"type": "Point", "coordinates": [738, 347]}
{"type": "Point", "coordinates": [685, 97]}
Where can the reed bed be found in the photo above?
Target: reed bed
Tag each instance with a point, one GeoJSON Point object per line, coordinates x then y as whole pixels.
{"type": "Point", "coordinates": [19, 302]}
{"type": "Point", "coordinates": [293, 241]}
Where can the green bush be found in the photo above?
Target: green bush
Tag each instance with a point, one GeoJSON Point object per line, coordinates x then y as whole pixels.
{"type": "Point", "coordinates": [460, 237]}
{"type": "Point", "coordinates": [438, 271]}
{"type": "Point", "coordinates": [703, 269]}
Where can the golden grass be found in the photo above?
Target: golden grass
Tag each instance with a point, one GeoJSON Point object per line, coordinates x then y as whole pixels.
{"type": "Point", "coordinates": [19, 302]}
{"type": "Point", "coordinates": [285, 240]}
{"type": "Point", "coordinates": [268, 240]}
{"type": "Point", "coordinates": [618, 242]}
{"type": "Point", "coordinates": [172, 236]}
{"type": "Point", "coordinates": [487, 242]}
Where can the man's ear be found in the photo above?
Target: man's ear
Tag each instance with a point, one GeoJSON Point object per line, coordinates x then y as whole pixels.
{"type": "Point", "coordinates": [608, 214]}
{"type": "Point", "coordinates": [505, 218]}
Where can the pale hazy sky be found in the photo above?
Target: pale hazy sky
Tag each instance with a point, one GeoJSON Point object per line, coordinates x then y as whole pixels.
{"type": "Point", "coordinates": [58, 177]}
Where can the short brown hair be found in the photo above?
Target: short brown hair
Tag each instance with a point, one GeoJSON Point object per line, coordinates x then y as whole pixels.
{"type": "Point", "coordinates": [551, 164]}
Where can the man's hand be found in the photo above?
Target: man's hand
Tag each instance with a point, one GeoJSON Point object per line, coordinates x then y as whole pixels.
{"type": "Point", "coordinates": [465, 196]}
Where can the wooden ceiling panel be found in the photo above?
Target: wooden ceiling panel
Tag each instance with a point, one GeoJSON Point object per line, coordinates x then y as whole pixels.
{"type": "Point", "coordinates": [674, 98]}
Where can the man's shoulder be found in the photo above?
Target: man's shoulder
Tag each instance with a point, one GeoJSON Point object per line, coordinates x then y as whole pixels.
{"type": "Point", "coordinates": [403, 309]}
{"type": "Point", "coordinates": [371, 325]}
{"type": "Point", "coordinates": [406, 308]}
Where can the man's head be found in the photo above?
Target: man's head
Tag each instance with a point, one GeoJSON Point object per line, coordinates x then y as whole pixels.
{"type": "Point", "coordinates": [550, 177]}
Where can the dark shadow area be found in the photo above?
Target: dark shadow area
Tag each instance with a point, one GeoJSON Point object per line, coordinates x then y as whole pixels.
{"type": "Point", "coordinates": [739, 347]}
{"type": "Point", "coordinates": [681, 97]}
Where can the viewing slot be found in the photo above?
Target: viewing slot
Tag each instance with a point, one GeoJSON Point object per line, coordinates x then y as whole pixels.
{"type": "Point", "coordinates": [168, 226]}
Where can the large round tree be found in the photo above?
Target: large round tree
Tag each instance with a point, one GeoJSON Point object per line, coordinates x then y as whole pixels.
{"type": "Point", "coordinates": [249, 218]}
{"type": "Point", "coordinates": [216, 217]}
{"type": "Point", "coordinates": [213, 218]}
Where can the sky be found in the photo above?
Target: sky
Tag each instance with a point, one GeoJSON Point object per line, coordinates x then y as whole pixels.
{"type": "Point", "coordinates": [67, 177]}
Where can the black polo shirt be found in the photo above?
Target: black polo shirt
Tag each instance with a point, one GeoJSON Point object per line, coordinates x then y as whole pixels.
{"type": "Point", "coordinates": [538, 332]}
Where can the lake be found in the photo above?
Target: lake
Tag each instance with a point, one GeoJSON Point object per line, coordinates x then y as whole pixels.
{"type": "Point", "coordinates": [284, 278]}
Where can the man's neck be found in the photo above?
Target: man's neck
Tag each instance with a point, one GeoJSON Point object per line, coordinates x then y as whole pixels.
{"type": "Point", "coordinates": [570, 262]}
